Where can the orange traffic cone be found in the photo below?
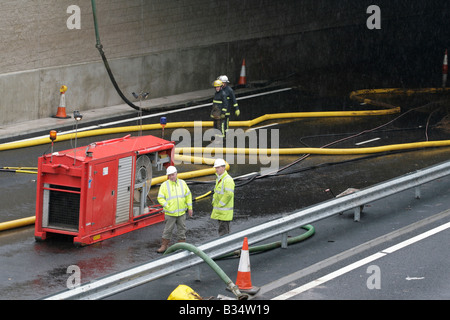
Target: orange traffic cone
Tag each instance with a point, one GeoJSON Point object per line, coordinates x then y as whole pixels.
{"type": "Point", "coordinates": [61, 113]}
{"type": "Point", "coordinates": [445, 70]}
{"type": "Point", "coordinates": [243, 280]}
{"type": "Point", "coordinates": [242, 78]}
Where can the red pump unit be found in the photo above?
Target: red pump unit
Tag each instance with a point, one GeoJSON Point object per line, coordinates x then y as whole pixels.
{"type": "Point", "coordinates": [99, 191]}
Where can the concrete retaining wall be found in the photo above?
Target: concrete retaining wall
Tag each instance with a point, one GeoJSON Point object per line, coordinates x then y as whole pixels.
{"type": "Point", "coordinates": [173, 46]}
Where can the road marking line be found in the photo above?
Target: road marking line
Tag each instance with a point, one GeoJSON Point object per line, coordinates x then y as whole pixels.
{"type": "Point", "coordinates": [414, 278]}
{"type": "Point", "coordinates": [352, 252]}
{"type": "Point", "coordinates": [367, 141]}
{"type": "Point", "coordinates": [361, 262]}
{"type": "Point", "coordinates": [266, 126]}
{"type": "Point", "coordinates": [154, 115]}
{"type": "Point", "coordinates": [417, 238]}
{"type": "Point", "coordinates": [329, 277]}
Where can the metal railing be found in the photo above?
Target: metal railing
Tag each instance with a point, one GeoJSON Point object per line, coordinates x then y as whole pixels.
{"type": "Point", "coordinates": [133, 277]}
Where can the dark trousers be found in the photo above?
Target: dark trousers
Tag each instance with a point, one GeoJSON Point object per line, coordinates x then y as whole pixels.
{"type": "Point", "coordinates": [222, 126]}
{"type": "Point", "coordinates": [224, 227]}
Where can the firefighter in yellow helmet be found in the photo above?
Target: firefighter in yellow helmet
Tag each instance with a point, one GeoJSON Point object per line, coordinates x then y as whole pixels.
{"type": "Point", "coordinates": [219, 110]}
{"type": "Point", "coordinates": [223, 198]}
{"type": "Point", "coordinates": [176, 198]}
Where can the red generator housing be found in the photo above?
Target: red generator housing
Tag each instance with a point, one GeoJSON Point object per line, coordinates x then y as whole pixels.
{"type": "Point", "coordinates": [99, 191]}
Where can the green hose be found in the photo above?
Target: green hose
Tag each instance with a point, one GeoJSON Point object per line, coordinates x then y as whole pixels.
{"type": "Point", "coordinates": [94, 13]}
{"type": "Point", "coordinates": [265, 247]}
{"type": "Point", "coordinates": [186, 246]}
{"type": "Point", "coordinates": [234, 288]}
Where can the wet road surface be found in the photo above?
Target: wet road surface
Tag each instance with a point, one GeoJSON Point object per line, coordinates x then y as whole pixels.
{"type": "Point", "coordinates": [31, 270]}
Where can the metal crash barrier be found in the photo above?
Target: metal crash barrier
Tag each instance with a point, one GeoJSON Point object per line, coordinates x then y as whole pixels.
{"type": "Point", "coordinates": [139, 275]}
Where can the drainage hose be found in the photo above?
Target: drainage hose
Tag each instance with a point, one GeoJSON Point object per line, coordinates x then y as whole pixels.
{"type": "Point", "coordinates": [184, 124]}
{"type": "Point", "coordinates": [265, 247]}
{"type": "Point", "coordinates": [99, 47]}
{"type": "Point", "coordinates": [30, 170]}
{"type": "Point", "coordinates": [230, 284]}
{"type": "Point", "coordinates": [17, 223]}
{"type": "Point", "coordinates": [322, 151]}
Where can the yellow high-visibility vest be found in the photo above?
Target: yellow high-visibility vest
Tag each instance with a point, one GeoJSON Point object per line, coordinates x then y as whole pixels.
{"type": "Point", "coordinates": [223, 199]}
{"type": "Point", "coordinates": [175, 197]}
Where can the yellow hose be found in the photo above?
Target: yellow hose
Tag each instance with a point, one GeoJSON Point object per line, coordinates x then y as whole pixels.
{"type": "Point", "coordinates": [26, 171]}
{"type": "Point", "coordinates": [191, 124]}
{"type": "Point", "coordinates": [203, 196]}
{"type": "Point", "coordinates": [31, 170]}
{"type": "Point", "coordinates": [286, 151]}
{"type": "Point", "coordinates": [191, 174]}
{"type": "Point", "coordinates": [397, 91]}
{"type": "Point", "coordinates": [323, 114]}
{"type": "Point", "coordinates": [186, 175]}
{"type": "Point", "coordinates": [249, 123]}
{"type": "Point", "coordinates": [17, 223]}
{"type": "Point", "coordinates": [247, 151]}
{"type": "Point", "coordinates": [322, 151]}
{"type": "Point", "coordinates": [358, 95]}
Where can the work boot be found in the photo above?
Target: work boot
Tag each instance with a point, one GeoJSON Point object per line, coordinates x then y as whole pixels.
{"type": "Point", "coordinates": [164, 245]}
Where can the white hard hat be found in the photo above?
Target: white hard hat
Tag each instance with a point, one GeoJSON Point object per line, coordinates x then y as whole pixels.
{"type": "Point", "coordinates": [170, 170]}
{"type": "Point", "coordinates": [219, 163]}
{"type": "Point", "coordinates": [224, 79]}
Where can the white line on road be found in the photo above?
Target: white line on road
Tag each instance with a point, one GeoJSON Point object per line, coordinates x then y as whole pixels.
{"type": "Point", "coordinates": [155, 115]}
{"type": "Point", "coordinates": [266, 126]}
{"type": "Point", "coordinates": [361, 262]}
{"type": "Point", "coordinates": [367, 141]}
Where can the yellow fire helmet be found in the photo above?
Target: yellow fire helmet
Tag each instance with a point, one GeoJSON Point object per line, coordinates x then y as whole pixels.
{"type": "Point", "coordinates": [63, 89]}
{"type": "Point", "coordinates": [217, 83]}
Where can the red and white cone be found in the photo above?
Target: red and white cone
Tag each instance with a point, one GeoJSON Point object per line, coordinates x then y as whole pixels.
{"type": "Point", "coordinates": [61, 113]}
{"type": "Point", "coordinates": [242, 77]}
{"type": "Point", "coordinates": [445, 70]}
{"type": "Point", "coordinates": [243, 280]}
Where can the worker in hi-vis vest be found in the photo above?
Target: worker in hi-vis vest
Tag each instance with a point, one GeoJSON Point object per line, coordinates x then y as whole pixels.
{"type": "Point", "coordinates": [176, 198]}
{"type": "Point", "coordinates": [223, 198]}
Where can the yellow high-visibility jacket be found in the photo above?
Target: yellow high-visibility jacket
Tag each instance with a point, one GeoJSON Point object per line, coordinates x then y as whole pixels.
{"type": "Point", "coordinates": [175, 197]}
{"type": "Point", "coordinates": [223, 199]}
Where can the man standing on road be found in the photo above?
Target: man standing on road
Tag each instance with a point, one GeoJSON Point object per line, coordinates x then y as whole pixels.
{"type": "Point", "coordinates": [176, 198]}
{"type": "Point", "coordinates": [223, 198]}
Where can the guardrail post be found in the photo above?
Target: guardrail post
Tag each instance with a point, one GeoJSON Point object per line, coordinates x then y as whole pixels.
{"type": "Point", "coordinates": [357, 213]}
{"type": "Point", "coordinates": [417, 191]}
{"type": "Point", "coordinates": [198, 273]}
{"type": "Point", "coordinates": [284, 242]}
